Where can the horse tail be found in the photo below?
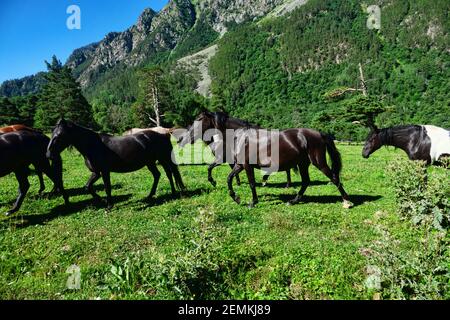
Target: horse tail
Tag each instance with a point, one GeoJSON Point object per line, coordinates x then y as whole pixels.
{"type": "Point", "coordinates": [336, 160]}
{"type": "Point", "coordinates": [177, 176]}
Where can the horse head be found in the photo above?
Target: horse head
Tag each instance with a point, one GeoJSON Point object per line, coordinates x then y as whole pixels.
{"type": "Point", "coordinates": [60, 138]}
{"type": "Point", "coordinates": [373, 142]}
{"type": "Point", "coordinates": [205, 121]}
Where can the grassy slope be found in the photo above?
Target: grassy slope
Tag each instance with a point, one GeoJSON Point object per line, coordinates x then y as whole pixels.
{"type": "Point", "coordinates": [310, 250]}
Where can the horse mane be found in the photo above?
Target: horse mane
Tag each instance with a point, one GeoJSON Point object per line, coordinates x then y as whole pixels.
{"type": "Point", "coordinates": [221, 118]}
{"type": "Point", "coordinates": [388, 135]}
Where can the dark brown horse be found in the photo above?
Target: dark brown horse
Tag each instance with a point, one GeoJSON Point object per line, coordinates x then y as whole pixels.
{"type": "Point", "coordinates": [104, 154]}
{"type": "Point", "coordinates": [18, 151]}
{"type": "Point", "coordinates": [21, 127]}
{"type": "Point", "coordinates": [16, 127]}
{"type": "Point", "coordinates": [255, 148]}
{"type": "Point", "coordinates": [219, 148]}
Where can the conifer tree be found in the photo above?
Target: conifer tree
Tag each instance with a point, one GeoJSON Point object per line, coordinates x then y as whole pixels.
{"type": "Point", "coordinates": [61, 97]}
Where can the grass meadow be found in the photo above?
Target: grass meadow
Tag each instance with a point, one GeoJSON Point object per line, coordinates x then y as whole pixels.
{"type": "Point", "coordinates": [201, 245]}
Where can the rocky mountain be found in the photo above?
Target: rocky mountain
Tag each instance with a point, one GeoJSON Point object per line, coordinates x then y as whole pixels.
{"type": "Point", "coordinates": [158, 33]}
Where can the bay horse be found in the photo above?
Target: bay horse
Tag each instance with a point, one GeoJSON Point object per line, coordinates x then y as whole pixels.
{"type": "Point", "coordinates": [297, 148]}
{"type": "Point", "coordinates": [16, 127]}
{"type": "Point", "coordinates": [104, 154]}
{"type": "Point", "coordinates": [420, 142]}
{"type": "Point", "coordinates": [20, 127]}
{"type": "Point", "coordinates": [20, 149]}
{"type": "Point", "coordinates": [217, 146]}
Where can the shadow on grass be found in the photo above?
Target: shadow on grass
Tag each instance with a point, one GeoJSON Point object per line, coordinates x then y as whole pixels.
{"type": "Point", "coordinates": [73, 192]}
{"type": "Point", "coordinates": [164, 198]}
{"type": "Point", "coordinates": [23, 221]}
{"type": "Point", "coordinates": [293, 184]}
{"type": "Point", "coordinates": [357, 200]}
{"type": "Point", "coordinates": [97, 188]}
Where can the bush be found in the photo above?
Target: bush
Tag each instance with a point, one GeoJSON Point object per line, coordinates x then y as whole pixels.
{"type": "Point", "coordinates": [421, 196]}
{"type": "Point", "coordinates": [418, 272]}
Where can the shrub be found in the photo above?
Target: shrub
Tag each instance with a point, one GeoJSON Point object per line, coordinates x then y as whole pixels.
{"type": "Point", "coordinates": [421, 196]}
{"type": "Point", "coordinates": [418, 272]}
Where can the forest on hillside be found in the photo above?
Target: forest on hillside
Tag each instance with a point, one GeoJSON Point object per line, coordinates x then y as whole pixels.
{"type": "Point", "coordinates": [277, 71]}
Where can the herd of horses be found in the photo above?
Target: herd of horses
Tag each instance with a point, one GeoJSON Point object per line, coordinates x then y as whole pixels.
{"type": "Point", "coordinates": [21, 147]}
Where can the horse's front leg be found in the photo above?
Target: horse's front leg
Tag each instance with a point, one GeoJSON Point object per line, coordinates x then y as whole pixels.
{"type": "Point", "coordinates": [236, 169]}
{"type": "Point", "coordinates": [304, 173]}
{"type": "Point", "coordinates": [106, 175]}
{"type": "Point", "coordinates": [41, 181]}
{"type": "Point", "coordinates": [210, 169]}
{"type": "Point", "coordinates": [24, 185]}
{"type": "Point", "coordinates": [238, 180]}
{"type": "Point", "coordinates": [90, 185]}
{"type": "Point", "coordinates": [156, 175]}
{"type": "Point", "coordinates": [251, 180]}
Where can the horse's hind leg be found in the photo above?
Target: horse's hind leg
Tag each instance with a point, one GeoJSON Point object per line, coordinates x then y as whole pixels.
{"type": "Point", "coordinates": [90, 185]}
{"type": "Point", "coordinates": [304, 173]}
{"type": "Point", "coordinates": [170, 176]}
{"type": "Point", "coordinates": [236, 169]}
{"type": "Point", "coordinates": [288, 178]}
{"type": "Point", "coordinates": [24, 185]}
{"type": "Point", "coordinates": [264, 179]}
{"type": "Point", "coordinates": [156, 175]}
{"type": "Point", "coordinates": [336, 180]}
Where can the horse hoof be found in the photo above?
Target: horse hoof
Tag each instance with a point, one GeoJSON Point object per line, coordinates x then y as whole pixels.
{"type": "Point", "coordinates": [347, 204]}
{"type": "Point", "coordinates": [237, 200]}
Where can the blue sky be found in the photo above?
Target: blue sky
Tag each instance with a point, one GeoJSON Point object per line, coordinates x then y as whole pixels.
{"type": "Point", "coordinates": [31, 31]}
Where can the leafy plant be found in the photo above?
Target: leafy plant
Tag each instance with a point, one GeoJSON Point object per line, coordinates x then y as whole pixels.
{"type": "Point", "coordinates": [421, 196]}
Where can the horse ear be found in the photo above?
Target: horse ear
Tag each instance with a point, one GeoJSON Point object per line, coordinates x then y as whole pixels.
{"type": "Point", "coordinates": [371, 124]}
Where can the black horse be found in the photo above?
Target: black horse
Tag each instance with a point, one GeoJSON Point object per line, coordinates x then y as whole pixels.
{"type": "Point", "coordinates": [427, 143]}
{"type": "Point", "coordinates": [219, 147]}
{"type": "Point", "coordinates": [20, 127]}
{"type": "Point", "coordinates": [18, 151]}
{"type": "Point", "coordinates": [104, 154]}
{"type": "Point", "coordinates": [297, 148]}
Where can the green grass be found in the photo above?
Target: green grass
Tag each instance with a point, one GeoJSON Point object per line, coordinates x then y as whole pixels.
{"type": "Point", "coordinates": [202, 245]}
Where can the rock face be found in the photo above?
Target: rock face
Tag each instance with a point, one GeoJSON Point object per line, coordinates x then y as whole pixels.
{"type": "Point", "coordinates": [200, 61]}
{"type": "Point", "coordinates": [154, 32]}
{"type": "Point", "coordinates": [224, 12]}
{"type": "Point", "coordinates": [159, 32]}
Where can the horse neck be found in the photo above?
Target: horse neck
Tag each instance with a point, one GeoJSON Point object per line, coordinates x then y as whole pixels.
{"type": "Point", "coordinates": [83, 138]}
{"type": "Point", "coordinates": [391, 138]}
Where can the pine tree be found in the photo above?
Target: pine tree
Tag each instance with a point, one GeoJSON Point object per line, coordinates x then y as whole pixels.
{"type": "Point", "coordinates": [61, 97]}
{"type": "Point", "coordinates": [9, 114]}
